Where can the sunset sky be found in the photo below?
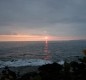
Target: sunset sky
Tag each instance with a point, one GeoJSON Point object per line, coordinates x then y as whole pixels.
{"type": "Point", "coordinates": [33, 20]}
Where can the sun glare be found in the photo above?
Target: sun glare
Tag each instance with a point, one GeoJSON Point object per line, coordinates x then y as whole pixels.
{"type": "Point", "coordinates": [46, 37]}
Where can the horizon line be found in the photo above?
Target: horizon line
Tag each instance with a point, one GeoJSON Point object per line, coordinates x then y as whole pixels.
{"type": "Point", "coordinates": [43, 40]}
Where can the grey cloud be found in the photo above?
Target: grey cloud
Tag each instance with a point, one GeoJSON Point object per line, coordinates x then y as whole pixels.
{"type": "Point", "coordinates": [45, 11]}
{"type": "Point", "coordinates": [59, 17]}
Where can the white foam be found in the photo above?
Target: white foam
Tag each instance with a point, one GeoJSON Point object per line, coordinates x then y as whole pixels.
{"type": "Point", "coordinates": [25, 62]}
{"type": "Point", "coordinates": [61, 62]}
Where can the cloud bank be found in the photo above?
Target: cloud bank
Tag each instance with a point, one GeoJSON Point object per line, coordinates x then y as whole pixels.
{"type": "Point", "coordinates": [57, 17]}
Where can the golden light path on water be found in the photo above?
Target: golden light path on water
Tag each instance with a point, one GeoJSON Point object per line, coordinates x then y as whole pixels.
{"type": "Point", "coordinates": [46, 51]}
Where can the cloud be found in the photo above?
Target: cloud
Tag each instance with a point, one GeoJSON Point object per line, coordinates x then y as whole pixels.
{"type": "Point", "coordinates": [43, 11]}
{"type": "Point", "coordinates": [58, 17]}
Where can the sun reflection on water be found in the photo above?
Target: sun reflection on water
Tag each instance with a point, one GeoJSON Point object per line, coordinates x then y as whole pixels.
{"type": "Point", "coordinates": [46, 50]}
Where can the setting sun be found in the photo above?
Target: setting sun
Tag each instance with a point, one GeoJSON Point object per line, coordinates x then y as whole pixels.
{"type": "Point", "coordinates": [46, 38]}
{"type": "Point", "coordinates": [22, 37]}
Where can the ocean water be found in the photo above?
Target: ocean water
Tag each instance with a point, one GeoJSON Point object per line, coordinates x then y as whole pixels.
{"type": "Point", "coordinates": [38, 53]}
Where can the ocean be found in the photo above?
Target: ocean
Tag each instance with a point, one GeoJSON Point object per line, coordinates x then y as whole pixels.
{"type": "Point", "coordinates": [22, 53]}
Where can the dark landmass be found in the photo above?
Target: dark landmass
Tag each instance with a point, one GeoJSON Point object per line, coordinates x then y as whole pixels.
{"type": "Point", "coordinates": [68, 71]}
{"type": "Point", "coordinates": [22, 70]}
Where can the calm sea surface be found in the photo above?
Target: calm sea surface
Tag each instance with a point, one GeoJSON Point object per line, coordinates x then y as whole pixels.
{"type": "Point", "coordinates": [54, 50]}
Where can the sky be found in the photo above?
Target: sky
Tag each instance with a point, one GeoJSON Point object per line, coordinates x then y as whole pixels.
{"type": "Point", "coordinates": [33, 20]}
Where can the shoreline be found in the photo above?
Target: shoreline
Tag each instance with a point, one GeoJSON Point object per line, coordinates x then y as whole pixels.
{"type": "Point", "coordinates": [22, 70]}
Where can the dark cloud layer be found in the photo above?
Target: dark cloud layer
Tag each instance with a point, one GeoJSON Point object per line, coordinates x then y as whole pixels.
{"type": "Point", "coordinates": [57, 17]}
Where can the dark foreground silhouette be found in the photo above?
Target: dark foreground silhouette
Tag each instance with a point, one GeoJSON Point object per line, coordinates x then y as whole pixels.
{"type": "Point", "coordinates": [67, 71]}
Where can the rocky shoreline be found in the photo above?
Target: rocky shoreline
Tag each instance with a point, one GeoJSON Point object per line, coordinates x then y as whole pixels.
{"type": "Point", "coordinates": [23, 69]}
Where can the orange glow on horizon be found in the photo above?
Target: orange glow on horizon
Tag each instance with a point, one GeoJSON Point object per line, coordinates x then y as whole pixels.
{"type": "Point", "coordinates": [20, 37]}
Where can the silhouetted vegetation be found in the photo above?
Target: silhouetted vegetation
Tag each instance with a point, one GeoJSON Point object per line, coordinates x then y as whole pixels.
{"type": "Point", "coordinates": [7, 74]}
{"type": "Point", "coordinates": [84, 51]}
{"type": "Point", "coordinates": [68, 71]}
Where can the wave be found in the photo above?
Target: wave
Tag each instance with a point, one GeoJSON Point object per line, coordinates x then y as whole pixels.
{"type": "Point", "coordinates": [26, 62]}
